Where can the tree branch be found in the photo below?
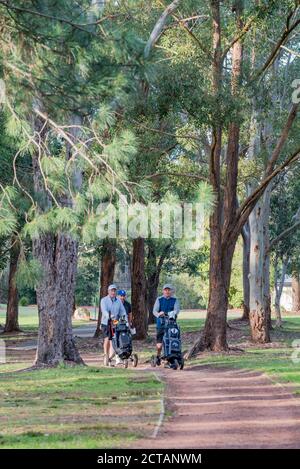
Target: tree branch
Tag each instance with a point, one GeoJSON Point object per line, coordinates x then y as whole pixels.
{"type": "Point", "coordinates": [284, 135]}
{"type": "Point", "coordinates": [187, 175]}
{"type": "Point", "coordinates": [9, 6]}
{"type": "Point", "coordinates": [282, 40]}
{"type": "Point", "coordinates": [284, 233]}
{"type": "Point", "coordinates": [157, 30]}
{"type": "Point", "coordinates": [247, 207]}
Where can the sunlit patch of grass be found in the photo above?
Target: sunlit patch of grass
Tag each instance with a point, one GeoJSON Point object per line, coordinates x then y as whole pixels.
{"type": "Point", "coordinates": [279, 362]}
{"type": "Point", "coordinates": [28, 319]}
{"type": "Point", "coordinates": [190, 325]}
{"type": "Point", "coordinates": [76, 407]}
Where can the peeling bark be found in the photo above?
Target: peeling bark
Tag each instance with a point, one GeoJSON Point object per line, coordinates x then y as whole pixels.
{"type": "Point", "coordinates": [138, 289]}
{"type": "Point", "coordinates": [279, 283]}
{"type": "Point", "coordinates": [296, 292]}
{"type": "Point", "coordinates": [246, 272]}
{"type": "Point", "coordinates": [107, 272]}
{"type": "Point", "coordinates": [55, 292]}
{"type": "Point", "coordinates": [154, 267]}
{"type": "Point", "coordinates": [258, 317]}
{"type": "Point", "coordinates": [12, 312]}
{"type": "Point", "coordinates": [57, 254]}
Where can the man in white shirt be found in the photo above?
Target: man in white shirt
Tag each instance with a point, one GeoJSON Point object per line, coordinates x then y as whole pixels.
{"type": "Point", "coordinates": [111, 308]}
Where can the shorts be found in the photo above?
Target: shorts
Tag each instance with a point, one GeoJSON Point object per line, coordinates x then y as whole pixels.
{"type": "Point", "coordinates": [106, 331]}
{"type": "Point", "coordinates": [159, 334]}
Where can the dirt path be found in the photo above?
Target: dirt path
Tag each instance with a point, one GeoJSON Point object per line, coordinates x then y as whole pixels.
{"type": "Point", "coordinates": [217, 408]}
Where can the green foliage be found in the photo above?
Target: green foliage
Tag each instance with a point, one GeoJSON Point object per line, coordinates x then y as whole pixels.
{"type": "Point", "coordinates": [120, 150]}
{"type": "Point", "coordinates": [87, 282]}
{"type": "Point", "coordinates": [188, 290]}
{"type": "Point", "coordinates": [8, 222]}
{"type": "Point", "coordinates": [54, 169]}
{"type": "Point", "coordinates": [235, 297]}
{"type": "Point", "coordinates": [29, 274]}
{"type": "Point", "coordinates": [65, 219]}
{"type": "Point", "coordinates": [284, 209]}
{"type": "Point", "coordinates": [24, 301]}
{"type": "Point", "coordinates": [89, 229]}
{"type": "Point", "coordinates": [98, 190]}
{"type": "Point", "coordinates": [103, 118]}
{"type": "Point", "coordinates": [56, 220]}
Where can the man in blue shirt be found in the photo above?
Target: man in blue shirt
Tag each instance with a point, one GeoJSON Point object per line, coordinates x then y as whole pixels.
{"type": "Point", "coordinates": [163, 305]}
{"type": "Point", "coordinates": [122, 296]}
{"type": "Point", "coordinates": [111, 308]}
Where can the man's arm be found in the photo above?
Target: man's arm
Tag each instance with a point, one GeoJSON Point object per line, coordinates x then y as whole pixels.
{"type": "Point", "coordinates": [177, 307]}
{"type": "Point", "coordinates": [104, 311]}
{"type": "Point", "coordinates": [156, 308]}
{"type": "Point", "coordinates": [129, 314]}
{"type": "Point", "coordinates": [122, 311]}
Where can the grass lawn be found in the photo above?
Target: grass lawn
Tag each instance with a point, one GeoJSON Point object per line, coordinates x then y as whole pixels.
{"type": "Point", "coordinates": [28, 318]}
{"type": "Point", "coordinates": [89, 407]}
{"type": "Point", "coordinates": [277, 361]}
{"type": "Point", "coordinates": [78, 407]}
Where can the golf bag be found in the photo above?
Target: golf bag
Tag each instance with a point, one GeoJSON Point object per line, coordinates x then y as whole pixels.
{"type": "Point", "coordinates": [172, 341]}
{"type": "Point", "coordinates": [122, 341]}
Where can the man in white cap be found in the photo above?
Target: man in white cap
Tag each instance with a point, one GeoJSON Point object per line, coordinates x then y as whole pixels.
{"type": "Point", "coordinates": [163, 305]}
{"type": "Point", "coordinates": [111, 308]}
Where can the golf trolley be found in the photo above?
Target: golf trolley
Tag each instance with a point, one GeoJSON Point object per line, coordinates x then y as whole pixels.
{"type": "Point", "coordinates": [172, 355]}
{"type": "Point", "coordinates": [122, 343]}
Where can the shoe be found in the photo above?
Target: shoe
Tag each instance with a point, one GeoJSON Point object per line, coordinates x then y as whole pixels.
{"type": "Point", "coordinates": [105, 360]}
{"type": "Point", "coordinates": [110, 362]}
{"type": "Point", "coordinates": [167, 365]}
{"type": "Point", "coordinates": [118, 361]}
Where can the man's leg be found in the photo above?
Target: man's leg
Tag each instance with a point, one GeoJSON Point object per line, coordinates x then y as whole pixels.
{"type": "Point", "coordinates": [158, 353]}
{"type": "Point", "coordinates": [159, 344]}
{"type": "Point", "coordinates": [106, 348]}
{"type": "Point", "coordinates": [111, 350]}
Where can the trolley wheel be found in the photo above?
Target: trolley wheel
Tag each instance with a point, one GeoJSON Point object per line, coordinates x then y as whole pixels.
{"type": "Point", "coordinates": [153, 361]}
{"type": "Point", "coordinates": [135, 360]}
{"type": "Point", "coordinates": [175, 364]}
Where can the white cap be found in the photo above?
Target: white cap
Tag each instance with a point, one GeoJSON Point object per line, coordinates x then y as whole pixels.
{"type": "Point", "coordinates": [112, 287]}
{"type": "Point", "coordinates": [169, 286]}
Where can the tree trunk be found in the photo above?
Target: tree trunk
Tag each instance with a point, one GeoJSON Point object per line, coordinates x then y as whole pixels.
{"type": "Point", "coordinates": [266, 255]}
{"type": "Point", "coordinates": [55, 293]}
{"type": "Point", "coordinates": [12, 312]}
{"type": "Point", "coordinates": [152, 281]}
{"type": "Point", "coordinates": [154, 267]}
{"type": "Point", "coordinates": [107, 272]}
{"type": "Point", "coordinates": [57, 254]}
{"type": "Point", "coordinates": [279, 283]}
{"type": "Point", "coordinates": [214, 335]}
{"type": "Point", "coordinates": [258, 320]}
{"type": "Point", "coordinates": [246, 272]}
{"type": "Point", "coordinates": [138, 289]}
{"type": "Point", "coordinates": [296, 292]}
{"type": "Point", "coordinates": [152, 288]}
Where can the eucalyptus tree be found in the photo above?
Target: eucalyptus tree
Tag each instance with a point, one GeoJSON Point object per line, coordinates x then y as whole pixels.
{"type": "Point", "coordinates": [285, 233]}
{"type": "Point", "coordinates": [214, 41]}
